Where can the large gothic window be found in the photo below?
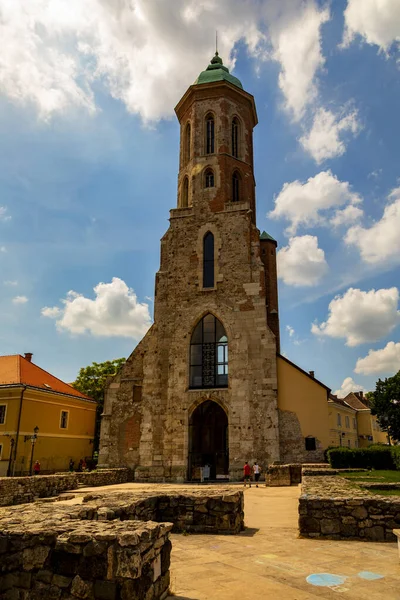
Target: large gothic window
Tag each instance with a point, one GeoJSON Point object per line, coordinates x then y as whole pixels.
{"type": "Point", "coordinates": [209, 354]}
{"type": "Point", "coordinates": [210, 128]}
{"type": "Point", "coordinates": [208, 260]}
{"type": "Point", "coordinates": [235, 137]}
{"type": "Point", "coordinates": [209, 178]}
{"type": "Point", "coordinates": [185, 193]}
{"type": "Point", "coordinates": [235, 187]}
{"type": "Point", "coordinates": [187, 143]}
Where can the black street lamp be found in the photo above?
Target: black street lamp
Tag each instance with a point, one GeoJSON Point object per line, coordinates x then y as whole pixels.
{"type": "Point", "coordinates": [12, 442]}
{"type": "Point", "coordinates": [33, 439]}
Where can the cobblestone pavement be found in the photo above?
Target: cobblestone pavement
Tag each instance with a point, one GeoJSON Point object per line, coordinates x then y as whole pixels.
{"type": "Point", "coordinates": [268, 560]}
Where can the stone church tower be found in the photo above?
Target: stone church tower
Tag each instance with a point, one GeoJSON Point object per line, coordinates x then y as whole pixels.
{"type": "Point", "coordinates": [201, 387]}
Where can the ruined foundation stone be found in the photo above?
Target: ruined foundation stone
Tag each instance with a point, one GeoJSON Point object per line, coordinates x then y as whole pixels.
{"type": "Point", "coordinates": [332, 507]}
{"type": "Point", "coordinates": [110, 547]}
{"type": "Point", "coordinates": [19, 490]}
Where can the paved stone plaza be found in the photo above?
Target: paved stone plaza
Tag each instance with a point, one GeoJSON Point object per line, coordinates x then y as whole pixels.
{"type": "Point", "coordinates": [269, 560]}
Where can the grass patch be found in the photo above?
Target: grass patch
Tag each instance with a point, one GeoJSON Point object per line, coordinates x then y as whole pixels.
{"type": "Point", "coordinates": [385, 492]}
{"type": "Point", "coordinates": [375, 476]}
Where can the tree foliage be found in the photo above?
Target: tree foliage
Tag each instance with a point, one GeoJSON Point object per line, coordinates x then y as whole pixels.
{"type": "Point", "coordinates": [385, 404]}
{"type": "Point", "coordinates": [91, 381]}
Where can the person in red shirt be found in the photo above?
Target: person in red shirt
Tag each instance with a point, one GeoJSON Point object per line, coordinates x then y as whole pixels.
{"type": "Point", "coordinates": [36, 468]}
{"type": "Point", "coordinates": [247, 474]}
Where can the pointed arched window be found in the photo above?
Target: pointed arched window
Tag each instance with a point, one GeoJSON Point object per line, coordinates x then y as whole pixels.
{"type": "Point", "coordinates": [208, 260]}
{"type": "Point", "coordinates": [235, 187]}
{"type": "Point", "coordinates": [209, 178]}
{"type": "Point", "coordinates": [235, 137]}
{"type": "Point", "coordinates": [209, 354]}
{"type": "Point", "coordinates": [210, 127]}
{"type": "Point", "coordinates": [185, 193]}
{"type": "Point", "coordinates": [187, 143]}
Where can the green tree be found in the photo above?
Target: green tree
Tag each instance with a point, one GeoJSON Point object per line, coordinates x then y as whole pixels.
{"type": "Point", "coordinates": [91, 381]}
{"type": "Point", "coordinates": [385, 404]}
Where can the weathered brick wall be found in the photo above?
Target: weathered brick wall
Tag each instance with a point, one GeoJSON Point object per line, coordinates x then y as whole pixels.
{"type": "Point", "coordinates": [331, 507]}
{"type": "Point", "coordinates": [19, 490]}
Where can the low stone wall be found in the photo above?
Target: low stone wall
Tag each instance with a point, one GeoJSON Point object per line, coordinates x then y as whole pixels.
{"type": "Point", "coordinates": [332, 507]}
{"type": "Point", "coordinates": [86, 560]}
{"type": "Point", "coordinates": [208, 511]}
{"type": "Point", "coordinates": [109, 547]}
{"type": "Point", "coordinates": [19, 490]}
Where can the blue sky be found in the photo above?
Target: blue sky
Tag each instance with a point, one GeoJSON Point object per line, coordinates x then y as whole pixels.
{"type": "Point", "coordinates": [89, 160]}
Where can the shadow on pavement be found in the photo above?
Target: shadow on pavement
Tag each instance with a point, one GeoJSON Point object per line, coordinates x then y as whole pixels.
{"type": "Point", "coordinates": [249, 531]}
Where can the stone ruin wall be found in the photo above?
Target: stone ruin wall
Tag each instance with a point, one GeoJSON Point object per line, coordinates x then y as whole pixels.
{"type": "Point", "coordinates": [19, 490]}
{"type": "Point", "coordinates": [110, 547]}
{"type": "Point", "coordinates": [331, 507]}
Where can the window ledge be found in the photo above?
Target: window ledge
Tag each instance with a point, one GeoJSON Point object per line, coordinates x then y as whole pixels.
{"type": "Point", "coordinates": [206, 389]}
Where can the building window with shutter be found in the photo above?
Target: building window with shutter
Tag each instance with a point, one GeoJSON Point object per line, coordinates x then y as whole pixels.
{"type": "Point", "coordinates": [347, 420]}
{"type": "Point", "coordinates": [3, 410]}
{"type": "Point", "coordinates": [64, 419]}
{"type": "Point", "coordinates": [339, 419]}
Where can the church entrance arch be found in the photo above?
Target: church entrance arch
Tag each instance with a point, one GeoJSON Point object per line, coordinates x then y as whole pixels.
{"type": "Point", "coordinates": [208, 441]}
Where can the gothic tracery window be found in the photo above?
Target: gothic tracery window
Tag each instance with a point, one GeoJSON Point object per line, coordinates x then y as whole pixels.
{"type": "Point", "coordinates": [235, 187]}
{"type": "Point", "coordinates": [235, 137]}
{"type": "Point", "coordinates": [208, 260]}
{"type": "Point", "coordinates": [209, 354]}
{"type": "Point", "coordinates": [210, 132]}
{"type": "Point", "coordinates": [209, 178]}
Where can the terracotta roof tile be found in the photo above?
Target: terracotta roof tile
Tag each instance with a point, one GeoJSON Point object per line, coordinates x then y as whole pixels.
{"type": "Point", "coordinates": [17, 370]}
{"type": "Point", "coordinates": [352, 400]}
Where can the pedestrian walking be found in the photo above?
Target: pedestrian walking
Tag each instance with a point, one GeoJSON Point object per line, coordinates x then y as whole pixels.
{"type": "Point", "coordinates": [247, 474]}
{"type": "Point", "coordinates": [71, 465]}
{"type": "Point", "coordinates": [257, 472]}
{"type": "Point", "coordinates": [36, 468]}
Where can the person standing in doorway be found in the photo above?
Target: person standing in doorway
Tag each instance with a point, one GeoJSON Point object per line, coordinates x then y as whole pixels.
{"type": "Point", "coordinates": [257, 472]}
{"type": "Point", "coordinates": [247, 474]}
{"type": "Point", "coordinates": [36, 468]}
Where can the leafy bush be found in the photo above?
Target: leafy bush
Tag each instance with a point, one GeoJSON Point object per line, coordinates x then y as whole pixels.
{"type": "Point", "coordinates": [374, 457]}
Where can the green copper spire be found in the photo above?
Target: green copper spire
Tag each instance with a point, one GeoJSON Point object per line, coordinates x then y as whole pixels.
{"type": "Point", "coordinates": [266, 236]}
{"type": "Point", "coordinates": [216, 71]}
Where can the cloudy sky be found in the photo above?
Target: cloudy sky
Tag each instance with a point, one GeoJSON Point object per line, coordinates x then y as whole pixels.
{"type": "Point", "coordinates": [89, 159]}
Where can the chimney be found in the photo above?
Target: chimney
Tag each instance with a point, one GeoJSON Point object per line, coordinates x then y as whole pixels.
{"type": "Point", "coordinates": [28, 356]}
{"type": "Point", "coordinates": [360, 395]}
{"type": "Point", "coordinates": [312, 373]}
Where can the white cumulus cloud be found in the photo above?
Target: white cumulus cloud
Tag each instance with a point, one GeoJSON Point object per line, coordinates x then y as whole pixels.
{"type": "Point", "coordinates": [115, 311]}
{"type": "Point", "coordinates": [3, 212]}
{"type": "Point", "coordinates": [347, 215]}
{"type": "Point", "coordinates": [381, 242]}
{"type": "Point", "coordinates": [20, 300]}
{"type": "Point", "coordinates": [290, 330]}
{"type": "Point", "coordinates": [383, 361]}
{"type": "Point", "coordinates": [360, 316]}
{"type": "Point", "coordinates": [301, 263]}
{"type": "Point", "coordinates": [296, 41]}
{"type": "Point", "coordinates": [55, 52]}
{"type": "Point", "coordinates": [325, 138]}
{"type": "Point", "coordinates": [307, 203]}
{"type": "Point", "coordinates": [376, 21]}
{"type": "Point", "coordinates": [348, 386]}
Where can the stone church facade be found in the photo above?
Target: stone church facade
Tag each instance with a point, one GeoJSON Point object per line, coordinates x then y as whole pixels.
{"type": "Point", "coordinates": [202, 385]}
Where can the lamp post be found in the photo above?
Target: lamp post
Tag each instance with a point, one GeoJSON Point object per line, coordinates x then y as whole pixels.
{"type": "Point", "coordinates": [33, 439]}
{"type": "Point", "coordinates": [12, 442]}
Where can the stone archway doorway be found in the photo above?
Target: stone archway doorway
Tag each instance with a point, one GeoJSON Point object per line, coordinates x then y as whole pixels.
{"type": "Point", "coordinates": [208, 441]}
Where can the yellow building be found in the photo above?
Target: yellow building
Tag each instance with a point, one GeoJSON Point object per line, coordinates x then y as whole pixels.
{"type": "Point", "coordinates": [351, 423]}
{"type": "Point", "coordinates": [40, 413]}
{"type": "Point", "coordinates": [303, 413]}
